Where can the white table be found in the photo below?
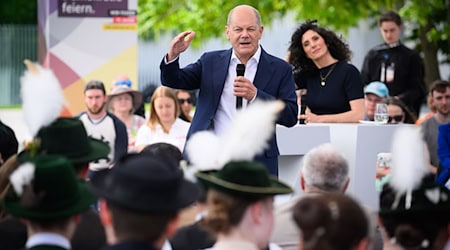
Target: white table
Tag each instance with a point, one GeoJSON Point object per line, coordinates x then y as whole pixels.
{"type": "Point", "coordinates": [359, 143]}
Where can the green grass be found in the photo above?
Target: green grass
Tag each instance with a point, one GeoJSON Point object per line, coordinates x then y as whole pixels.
{"type": "Point", "coordinates": [11, 107]}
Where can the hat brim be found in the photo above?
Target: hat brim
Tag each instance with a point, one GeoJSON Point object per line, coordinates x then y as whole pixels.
{"type": "Point", "coordinates": [98, 150]}
{"type": "Point", "coordinates": [12, 205]}
{"type": "Point", "coordinates": [373, 93]}
{"type": "Point", "coordinates": [212, 181]}
{"type": "Point", "coordinates": [186, 194]}
{"type": "Point", "coordinates": [137, 97]}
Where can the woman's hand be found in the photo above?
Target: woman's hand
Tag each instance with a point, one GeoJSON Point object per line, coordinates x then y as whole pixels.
{"type": "Point", "coordinates": [312, 118]}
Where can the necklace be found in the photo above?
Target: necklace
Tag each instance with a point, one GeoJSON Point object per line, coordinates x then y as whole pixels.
{"type": "Point", "coordinates": [324, 78]}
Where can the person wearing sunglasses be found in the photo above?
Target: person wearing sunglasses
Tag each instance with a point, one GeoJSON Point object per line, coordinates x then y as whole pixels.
{"type": "Point", "coordinates": [186, 101]}
{"type": "Point", "coordinates": [398, 112]}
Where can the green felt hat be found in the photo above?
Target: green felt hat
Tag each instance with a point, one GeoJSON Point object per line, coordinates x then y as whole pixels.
{"type": "Point", "coordinates": [244, 178]}
{"type": "Point", "coordinates": [53, 192]}
{"type": "Point", "coordinates": [67, 137]}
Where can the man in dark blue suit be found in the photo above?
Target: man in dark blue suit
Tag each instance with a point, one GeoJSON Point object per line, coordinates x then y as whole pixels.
{"type": "Point", "coordinates": [266, 78]}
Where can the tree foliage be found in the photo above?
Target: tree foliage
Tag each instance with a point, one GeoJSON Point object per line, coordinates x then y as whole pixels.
{"type": "Point", "coordinates": [18, 12]}
{"type": "Point", "coordinates": [429, 19]}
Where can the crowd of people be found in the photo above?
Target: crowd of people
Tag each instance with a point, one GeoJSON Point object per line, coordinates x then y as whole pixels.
{"type": "Point", "coordinates": [113, 178]}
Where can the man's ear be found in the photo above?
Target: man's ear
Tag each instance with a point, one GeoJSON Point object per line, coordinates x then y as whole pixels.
{"type": "Point", "coordinates": [76, 218]}
{"type": "Point", "coordinates": [346, 185]}
{"type": "Point", "coordinates": [172, 226]}
{"type": "Point", "coordinates": [227, 32]}
{"type": "Point", "coordinates": [105, 213]}
{"type": "Point", "coordinates": [256, 211]}
{"type": "Point", "coordinates": [302, 182]}
{"type": "Point", "coordinates": [362, 244]}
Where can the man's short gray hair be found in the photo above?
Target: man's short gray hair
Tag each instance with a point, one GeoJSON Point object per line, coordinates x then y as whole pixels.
{"type": "Point", "coordinates": [257, 15]}
{"type": "Point", "coordinates": [325, 169]}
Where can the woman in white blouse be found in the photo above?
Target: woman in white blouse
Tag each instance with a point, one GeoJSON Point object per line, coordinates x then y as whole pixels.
{"type": "Point", "coordinates": [163, 124]}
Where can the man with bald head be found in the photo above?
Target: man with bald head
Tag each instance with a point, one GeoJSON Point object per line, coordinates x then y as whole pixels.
{"type": "Point", "coordinates": [215, 74]}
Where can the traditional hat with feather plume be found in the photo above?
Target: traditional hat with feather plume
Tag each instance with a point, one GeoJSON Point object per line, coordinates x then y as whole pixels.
{"type": "Point", "coordinates": [411, 196]}
{"type": "Point", "coordinates": [410, 187]}
{"type": "Point", "coordinates": [47, 188]}
{"type": "Point", "coordinates": [54, 135]}
{"type": "Point", "coordinates": [226, 163]}
{"type": "Point", "coordinates": [38, 111]}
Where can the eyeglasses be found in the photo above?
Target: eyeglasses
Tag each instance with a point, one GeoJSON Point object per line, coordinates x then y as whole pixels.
{"type": "Point", "coordinates": [124, 82]}
{"type": "Point", "coordinates": [188, 100]}
{"type": "Point", "coordinates": [397, 118]}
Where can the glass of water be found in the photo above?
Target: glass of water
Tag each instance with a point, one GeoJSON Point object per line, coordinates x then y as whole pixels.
{"type": "Point", "coordinates": [381, 113]}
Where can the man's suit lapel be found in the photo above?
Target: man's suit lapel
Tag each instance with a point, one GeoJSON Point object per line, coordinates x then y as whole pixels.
{"type": "Point", "coordinates": [264, 71]}
{"type": "Point", "coordinates": [220, 74]}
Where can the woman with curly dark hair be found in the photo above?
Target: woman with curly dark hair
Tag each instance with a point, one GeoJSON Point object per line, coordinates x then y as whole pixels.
{"type": "Point", "coordinates": [334, 87]}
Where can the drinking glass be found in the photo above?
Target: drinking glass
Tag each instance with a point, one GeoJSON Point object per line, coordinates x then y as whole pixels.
{"type": "Point", "coordinates": [381, 113]}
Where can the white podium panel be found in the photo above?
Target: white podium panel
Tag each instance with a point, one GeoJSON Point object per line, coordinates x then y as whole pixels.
{"type": "Point", "coordinates": [293, 144]}
{"type": "Point", "coordinates": [359, 143]}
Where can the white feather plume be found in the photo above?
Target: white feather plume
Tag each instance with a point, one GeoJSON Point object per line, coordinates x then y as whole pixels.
{"type": "Point", "coordinates": [42, 97]}
{"type": "Point", "coordinates": [203, 149]}
{"type": "Point", "coordinates": [409, 164]}
{"type": "Point", "coordinates": [248, 136]}
{"type": "Point", "coordinates": [250, 131]}
{"type": "Point", "coordinates": [23, 175]}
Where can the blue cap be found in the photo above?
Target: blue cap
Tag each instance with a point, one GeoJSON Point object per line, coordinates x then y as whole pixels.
{"type": "Point", "coordinates": [377, 88]}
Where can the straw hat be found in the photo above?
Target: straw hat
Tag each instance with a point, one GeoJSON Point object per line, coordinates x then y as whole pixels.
{"type": "Point", "coordinates": [122, 89]}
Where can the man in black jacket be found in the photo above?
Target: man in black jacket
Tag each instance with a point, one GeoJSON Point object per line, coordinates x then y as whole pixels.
{"type": "Point", "coordinates": [392, 63]}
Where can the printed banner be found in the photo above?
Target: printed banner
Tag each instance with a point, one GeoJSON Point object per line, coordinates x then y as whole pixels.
{"type": "Point", "coordinates": [91, 8]}
{"type": "Point", "coordinates": [82, 40]}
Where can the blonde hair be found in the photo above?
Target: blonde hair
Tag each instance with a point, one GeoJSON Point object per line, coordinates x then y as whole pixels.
{"type": "Point", "coordinates": [161, 91]}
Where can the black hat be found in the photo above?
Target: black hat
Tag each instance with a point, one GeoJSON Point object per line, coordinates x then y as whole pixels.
{"type": "Point", "coordinates": [68, 137]}
{"type": "Point", "coordinates": [145, 184]}
{"type": "Point", "coordinates": [244, 178]}
{"type": "Point", "coordinates": [8, 142]}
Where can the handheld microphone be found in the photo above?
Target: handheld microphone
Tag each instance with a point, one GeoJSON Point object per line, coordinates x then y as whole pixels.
{"type": "Point", "coordinates": [240, 70]}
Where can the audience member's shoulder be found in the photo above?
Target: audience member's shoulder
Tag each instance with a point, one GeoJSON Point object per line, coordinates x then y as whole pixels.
{"type": "Point", "coordinates": [349, 67]}
{"type": "Point", "coordinates": [406, 49]}
{"type": "Point", "coordinates": [428, 122]}
{"type": "Point", "coordinates": [84, 113]}
{"type": "Point", "coordinates": [379, 48]}
{"type": "Point", "coordinates": [180, 122]}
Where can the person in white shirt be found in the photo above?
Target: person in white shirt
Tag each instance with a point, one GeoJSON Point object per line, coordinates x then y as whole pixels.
{"type": "Point", "coordinates": [163, 124]}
